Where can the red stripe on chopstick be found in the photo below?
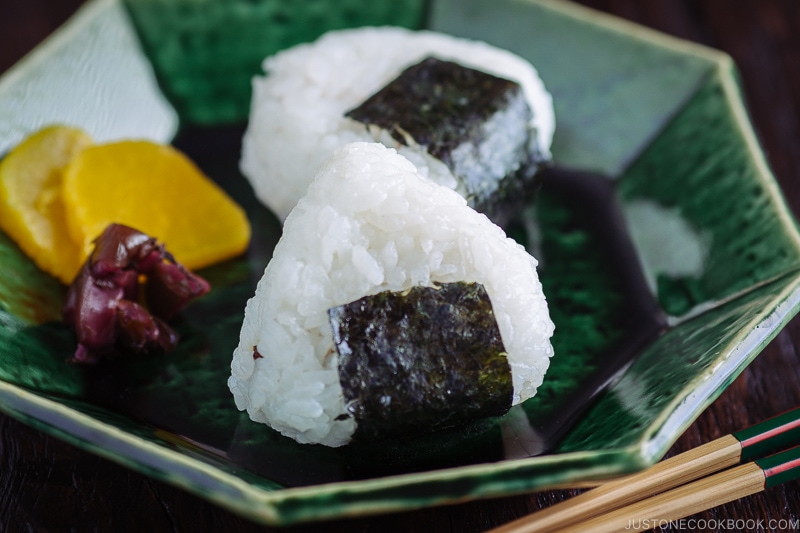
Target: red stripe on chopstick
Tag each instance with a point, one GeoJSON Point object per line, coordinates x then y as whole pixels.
{"type": "Point", "coordinates": [785, 467]}
{"type": "Point", "coordinates": [755, 439]}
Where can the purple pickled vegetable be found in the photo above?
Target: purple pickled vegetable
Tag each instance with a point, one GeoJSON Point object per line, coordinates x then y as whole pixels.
{"type": "Point", "coordinates": [104, 302]}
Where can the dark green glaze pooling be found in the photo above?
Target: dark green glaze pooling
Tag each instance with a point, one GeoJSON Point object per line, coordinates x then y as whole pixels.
{"type": "Point", "coordinates": [29, 294]}
{"type": "Point", "coordinates": [462, 117]}
{"type": "Point", "coordinates": [420, 359]}
{"type": "Point", "coordinates": [597, 296]}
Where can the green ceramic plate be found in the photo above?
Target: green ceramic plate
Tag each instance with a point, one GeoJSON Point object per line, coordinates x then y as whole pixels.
{"type": "Point", "coordinates": [667, 254]}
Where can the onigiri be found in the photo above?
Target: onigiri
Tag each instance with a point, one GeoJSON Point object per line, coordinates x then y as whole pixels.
{"type": "Point", "coordinates": [372, 228]}
{"type": "Point", "coordinates": [318, 96]}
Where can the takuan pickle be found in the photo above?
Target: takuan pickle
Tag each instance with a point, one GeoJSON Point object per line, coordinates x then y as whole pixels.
{"type": "Point", "coordinates": [159, 191]}
{"type": "Point", "coordinates": [31, 205]}
{"type": "Point", "coordinates": [59, 191]}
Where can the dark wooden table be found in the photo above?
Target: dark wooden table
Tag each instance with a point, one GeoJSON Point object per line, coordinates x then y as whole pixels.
{"type": "Point", "coordinates": [47, 485]}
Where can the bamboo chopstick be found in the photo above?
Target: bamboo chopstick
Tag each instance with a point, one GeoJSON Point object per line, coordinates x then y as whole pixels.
{"type": "Point", "coordinates": [722, 453]}
{"type": "Point", "coordinates": [705, 493]}
{"type": "Point", "coordinates": [683, 501]}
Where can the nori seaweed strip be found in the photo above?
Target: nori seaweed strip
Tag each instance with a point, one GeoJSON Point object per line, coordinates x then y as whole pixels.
{"type": "Point", "coordinates": [475, 123]}
{"type": "Point", "coordinates": [421, 359]}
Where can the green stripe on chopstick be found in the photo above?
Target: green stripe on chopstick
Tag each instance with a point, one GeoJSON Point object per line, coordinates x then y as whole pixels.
{"type": "Point", "coordinates": [781, 467]}
{"type": "Point", "coordinates": [770, 435]}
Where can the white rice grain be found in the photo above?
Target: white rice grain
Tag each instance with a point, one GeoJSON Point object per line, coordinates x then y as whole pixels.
{"type": "Point", "coordinates": [284, 370]}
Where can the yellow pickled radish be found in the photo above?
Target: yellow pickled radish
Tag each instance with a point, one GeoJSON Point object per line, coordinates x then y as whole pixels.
{"type": "Point", "coordinates": [31, 206]}
{"type": "Point", "coordinates": [157, 190]}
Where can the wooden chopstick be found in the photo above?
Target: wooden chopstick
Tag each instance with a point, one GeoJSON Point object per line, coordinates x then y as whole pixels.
{"type": "Point", "coordinates": [705, 493]}
{"type": "Point", "coordinates": [683, 501]}
{"type": "Point", "coordinates": [715, 456]}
